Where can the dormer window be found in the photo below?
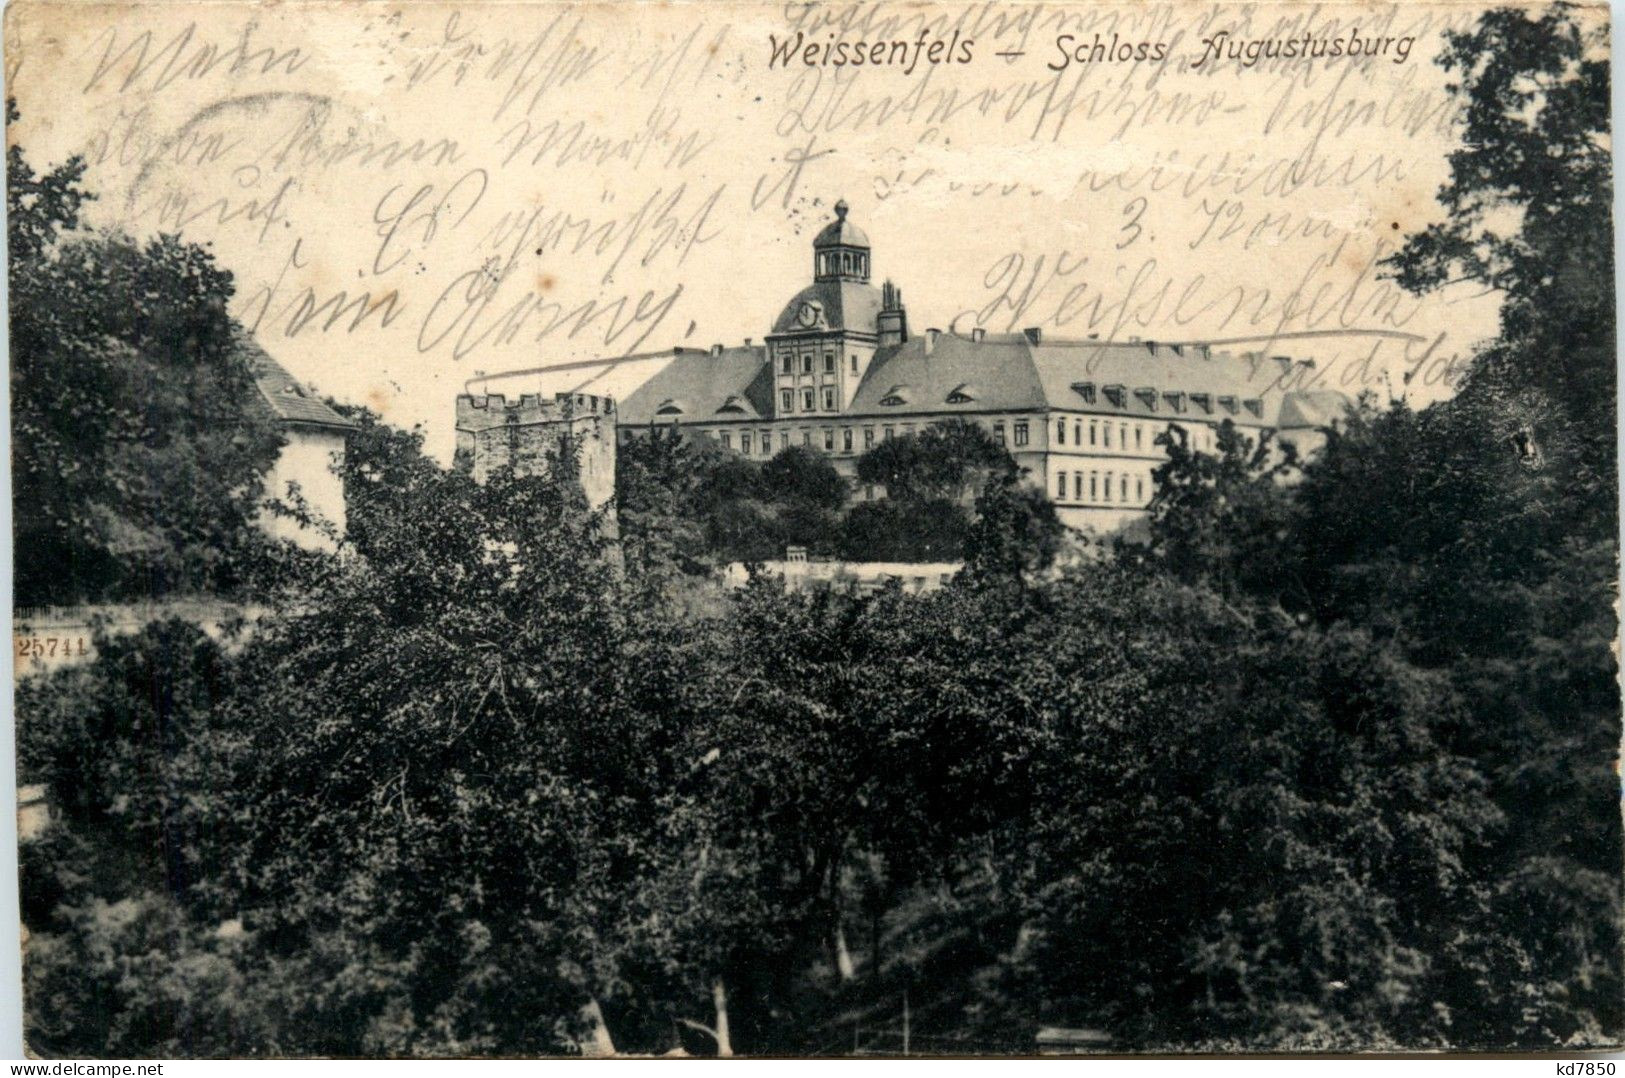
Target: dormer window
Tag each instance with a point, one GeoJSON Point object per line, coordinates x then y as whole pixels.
{"type": "Point", "coordinates": [732, 404]}
{"type": "Point", "coordinates": [1203, 401]}
{"type": "Point", "coordinates": [1254, 405]}
{"type": "Point", "coordinates": [1117, 395]}
{"type": "Point", "coordinates": [1228, 404]}
{"type": "Point", "coordinates": [669, 407]}
{"type": "Point", "coordinates": [1176, 401]}
{"type": "Point", "coordinates": [895, 396]}
{"type": "Point", "coordinates": [961, 394]}
{"type": "Point", "coordinates": [1148, 397]}
{"type": "Point", "coordinates": [1086, 390]}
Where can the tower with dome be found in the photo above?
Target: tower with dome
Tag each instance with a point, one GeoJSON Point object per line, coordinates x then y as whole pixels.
{"type": "Point", "coordinates": [840, 372]}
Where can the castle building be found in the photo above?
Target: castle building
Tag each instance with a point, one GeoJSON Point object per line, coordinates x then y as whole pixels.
{"type": "Point", "coordinates": [528, 433]}
{"type": "Point", "coordinates": [841, 372]}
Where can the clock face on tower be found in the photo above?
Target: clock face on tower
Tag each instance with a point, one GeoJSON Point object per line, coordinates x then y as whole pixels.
{"type": "Point", "coordinates": [807, 316]}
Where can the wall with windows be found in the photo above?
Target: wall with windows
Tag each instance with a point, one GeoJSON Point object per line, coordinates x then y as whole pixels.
{"type": "Point", "coordinates": [1096, 469]}
{"type": "Point", "coordinates": [816, 376]}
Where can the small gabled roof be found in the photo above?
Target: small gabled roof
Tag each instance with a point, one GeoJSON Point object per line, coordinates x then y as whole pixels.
{"type": "Point", "coordinates": [289, 401]}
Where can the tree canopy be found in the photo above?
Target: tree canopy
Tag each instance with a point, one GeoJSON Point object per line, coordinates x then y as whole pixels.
{"type": "Point", "coordinates": [138, 438]}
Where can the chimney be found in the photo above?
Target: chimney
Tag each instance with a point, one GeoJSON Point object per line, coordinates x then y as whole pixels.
{"type": "Point", "coordinates": [716, 349]}
{"type": "Point", "coordinates": [1034, 334]}
{"type": "Point", "coordinates": [892, 323]}
{"type": "Point", "coordinates": [931, 340]}
{"type": "Point", "coordinates": [978, 334]}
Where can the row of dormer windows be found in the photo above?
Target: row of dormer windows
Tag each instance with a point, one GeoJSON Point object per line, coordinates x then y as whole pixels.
{"type": "Point", "coordinates": [1178, 402]}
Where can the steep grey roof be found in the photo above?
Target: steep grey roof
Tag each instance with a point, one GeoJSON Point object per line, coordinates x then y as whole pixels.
{"type": "Point", "coordinates": [847, 305]}
{"type": "Point", "coordinates": [700, 383]}
{"type": "Point", "coordinates": [996, 372]}
{"type": "Point", "coordinates": [1008, 373]}
{"type": "Point", "coordinates": [288, 400]}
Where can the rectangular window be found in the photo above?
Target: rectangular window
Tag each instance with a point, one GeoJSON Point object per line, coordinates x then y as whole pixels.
{"type": "Point", "coordinates": [1094, 486]}
{"type": "Point", "coordinates": [744, 443]}
{"type": "Point", "coordinates": [785, 401]}
{"type": "Point", "coordinates": [1060, 485]}
{"type": "Point", "coordinates": [1139, 488]}
{"type": "Point", "coordinates": [806, 363]}
{"type": "Point", "coordinates": [829, 439]}
{"type": "Point", "coordinates": [1077, 486]}
{"type": "Point", "coordinates": [868, 437]}
{"type": "Point", "coordinates": [784, 439]}
{"type": "Point", "coordinates": [1122, 436]}
{"type": "Point", "coordinates": [854, 363]}
{"type": "Point", "coordinates": [1122, 488]}
{"type": "Point", "coordinates": [846, 440]}
{"type": "Point", "coordinates": [788, 364]}
{"type": "Point", "coordinates": [1021, 433]}
{"type": "Point", "coordinates": [1077, 432]}
{"type": "Point", "coordinates": [829, 362]}
{"type": "Point", "coordinates": [727, 440]}
{"type": "Point", "coordinates": [829, 398]}
{"type": "Point", "coordinates": [1060, 432]}
{"type": "Point", "coordinates": [1106, 488]}
{"type": "Point", "coordinates": [885, 434]}
{"type": "Point", "coordinates": [806, 437]}
{"type": "Point", "coordinates": [807, 399]}
{"type": "Point", "coordinates": [998, 433]}
{"type": "Point", "coordinates": [767, 443]}
{"type": "Point", "coordinates": [1137, 433]}
{"type": "Point", "coordinates": [1091, 432]}
{"type": "Point", "coordinates": [1106, 435]}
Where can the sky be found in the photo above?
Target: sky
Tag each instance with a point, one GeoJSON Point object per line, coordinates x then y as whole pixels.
{"type": "Point", "coordinates": [414, 199]}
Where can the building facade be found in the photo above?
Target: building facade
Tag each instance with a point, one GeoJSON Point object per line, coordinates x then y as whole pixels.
{"type": "Point", "coordinates": [311, 460]}
{"type": "Point", "coordinates": [840, 371]}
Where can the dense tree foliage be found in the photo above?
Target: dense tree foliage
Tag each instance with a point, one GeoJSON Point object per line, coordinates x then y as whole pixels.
{"type": "Point", "coordinates": [138, 439]}
{"type": "Point", "coordinates": [1479, 537]}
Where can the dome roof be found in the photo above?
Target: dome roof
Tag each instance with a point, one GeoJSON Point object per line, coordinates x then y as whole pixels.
{"type": "Point", "coordinates": [841, 232]}
{"type": "Point", "coordinates": [843, 305]}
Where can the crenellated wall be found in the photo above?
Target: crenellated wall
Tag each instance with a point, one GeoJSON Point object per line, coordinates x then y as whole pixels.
{"type": "Point", "coordinates": [493, 432]}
